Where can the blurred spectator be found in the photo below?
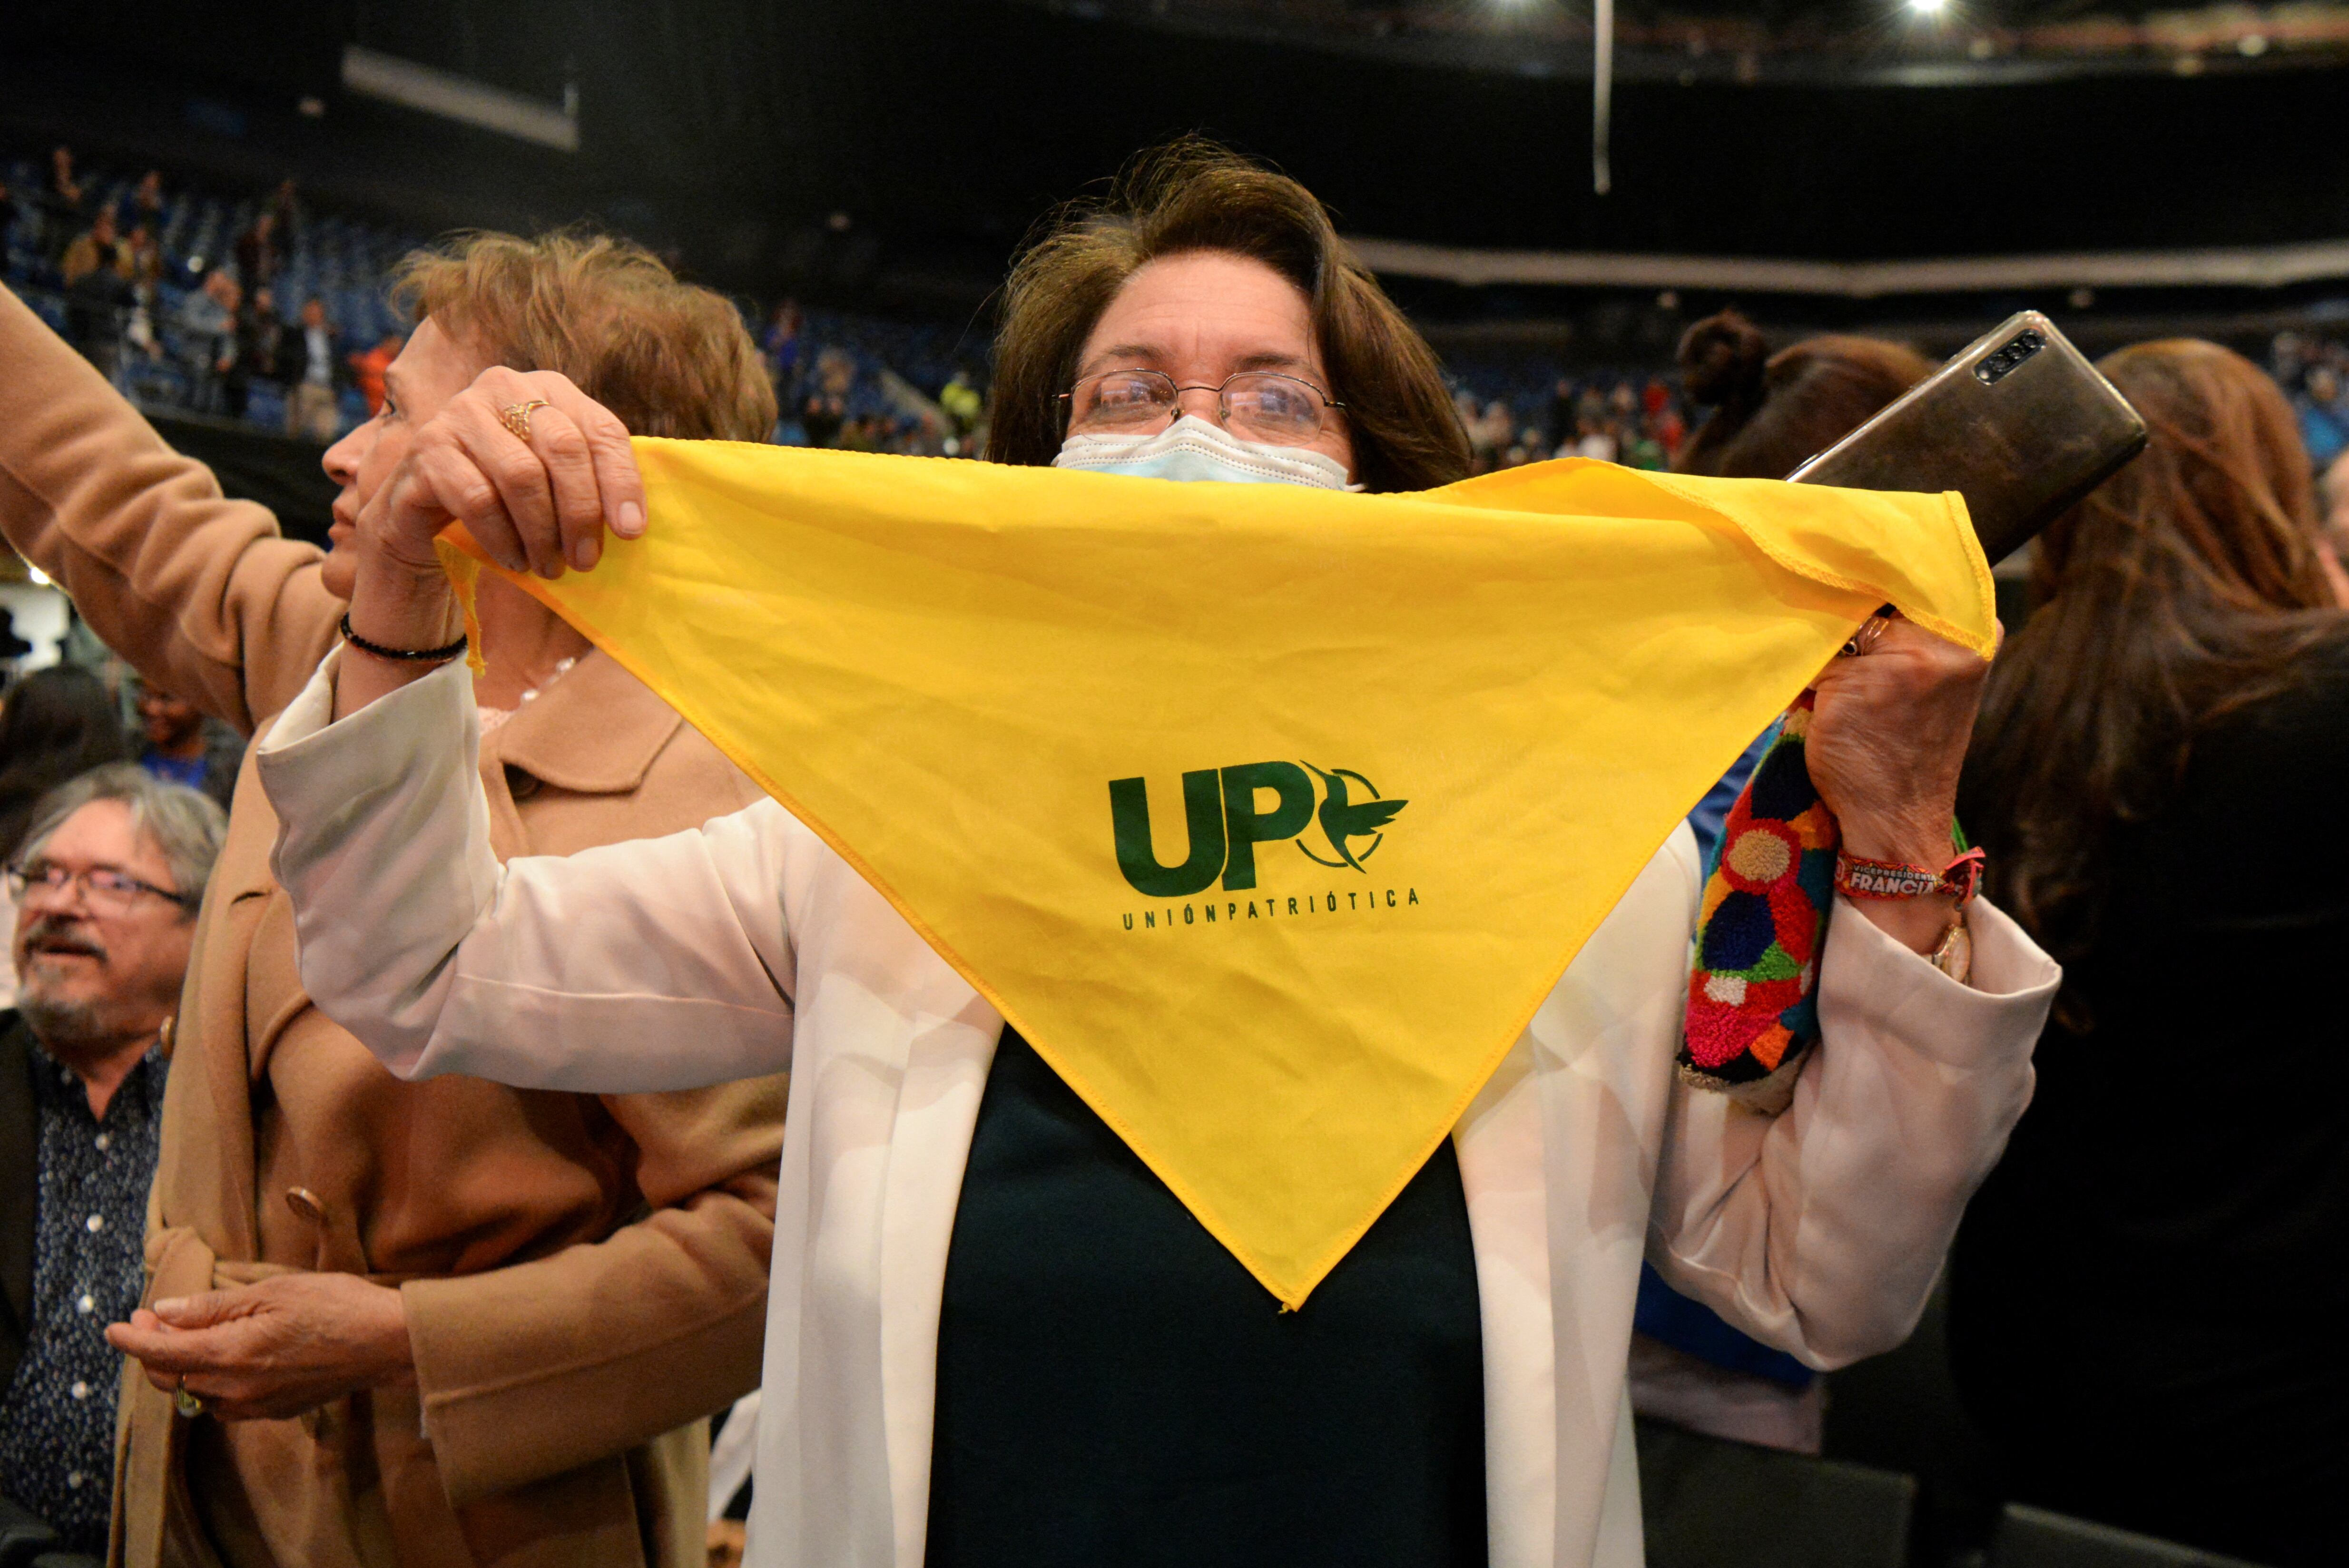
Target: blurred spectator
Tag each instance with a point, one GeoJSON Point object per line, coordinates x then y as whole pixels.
{"type": "Point", "coordinates": [1589, 404]}
{"type": "Point", "coordinates": [96, 270]}
{"type": "Point", "coordinates": [2147, 1294]}
{"type": "Point", "coordinates": [236, 372]}
{"type": "Point", "coordinates": [1688, 1366]}
{"type": "Point", "coordinates": [208, 326]}
{"type": "Point", "coordinates": [1494, 430]}
{"type": "Point", "coordinates": [1669, 430]}
{"type": "Point", "coordinates": [2323, 414]}
{"type": "Point", "coordinates": [1595, 440]}
{"type": "Point", "coordinates": [1558, 424]}
{"type": "Point", "coordinates": [139, 334]}
{"type": "Point", "coordinates": [1488, 437]}
{"type": "Point", "coordinates": [260, 253]}
{"type": "Point", "coordinates": [835, 373]}
{"type": "Point", "coordinates": [314, 372]}
{"type": "Point", "coordinates": [109, 882]}
{"type": "Point", "coordinates": [962, 403]}
{"type": "Point", "coordinates": [144, 255]}
{"type": "Point", "coordinates": [368, 365]}
{"type": "Point", "coordinates": [781, 347]}
{"type": "Point", "coordinates": [284, 208]}
{"type": "Point", "coordinates": [145, 203]}
{"type": "Point", "coordinates": [98, 248]}
{"type": "Point", "coordinates": [61, 204]}
{"type": "Point", "coordinates": [261, 348]}
{"type": "Point", "coordinates": [183, 747]}
{"type": "Point", "coordinates": [55, 723]}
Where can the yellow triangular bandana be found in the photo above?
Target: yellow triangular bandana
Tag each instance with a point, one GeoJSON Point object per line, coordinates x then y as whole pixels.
{"type": "Point", "coordinates": [1268, 814]}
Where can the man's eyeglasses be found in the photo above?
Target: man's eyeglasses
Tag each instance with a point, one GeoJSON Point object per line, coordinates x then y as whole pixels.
{"type": "Point", "coordinates": [104, 890]}
{"type": "Point", "coordinates": [1260, 405]}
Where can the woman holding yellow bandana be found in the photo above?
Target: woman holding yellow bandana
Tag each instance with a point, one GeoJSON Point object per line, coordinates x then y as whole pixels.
{"type": "Point", "coordinates": [996, 1337]}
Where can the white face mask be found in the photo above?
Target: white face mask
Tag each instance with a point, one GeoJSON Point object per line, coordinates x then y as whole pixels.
{"type": "Point", "coordinates": [1196, 448]}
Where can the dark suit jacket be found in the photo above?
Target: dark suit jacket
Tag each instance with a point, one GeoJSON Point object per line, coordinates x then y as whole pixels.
{"type": "Point", "coordinates": [20, 1149]}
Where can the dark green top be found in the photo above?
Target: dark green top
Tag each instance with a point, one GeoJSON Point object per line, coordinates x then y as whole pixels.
{"type": "Point", "coordinates": [1114, 1387]}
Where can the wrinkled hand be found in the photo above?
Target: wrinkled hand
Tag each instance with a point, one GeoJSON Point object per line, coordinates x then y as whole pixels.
{"type": "Point", "coordinates": [531, 505]}
{"type": "Point", "coordinates": [1887, 739]}
{"type": "Point", "coordinates": [272, 1350]}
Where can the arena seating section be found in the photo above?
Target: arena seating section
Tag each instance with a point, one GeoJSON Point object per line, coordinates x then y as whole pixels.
{"type": "Point", "coordinates": [345, 260]}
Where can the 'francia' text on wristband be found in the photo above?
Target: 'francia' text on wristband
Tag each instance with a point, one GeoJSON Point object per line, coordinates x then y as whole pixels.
{"type": "Point", "coordinates": [1855, 876]}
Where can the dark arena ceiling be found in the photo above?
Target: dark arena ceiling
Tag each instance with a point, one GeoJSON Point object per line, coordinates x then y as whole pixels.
{"type": "Point", "coordinates": [896, 150]}
{"type": "Point", "coordinates": [1848, 42]}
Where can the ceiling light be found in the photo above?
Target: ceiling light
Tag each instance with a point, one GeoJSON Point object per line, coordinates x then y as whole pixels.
{"type": "Point", "coordinates": [1928, 7]}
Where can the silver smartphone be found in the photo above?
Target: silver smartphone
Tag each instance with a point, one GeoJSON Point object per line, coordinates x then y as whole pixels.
{"type": "Point", "coordinates": [2018, 423]}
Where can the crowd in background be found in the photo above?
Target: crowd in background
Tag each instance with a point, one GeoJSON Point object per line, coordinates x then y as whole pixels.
{"type": "Point", "coordinates": [265, 311]}
{"type": "Point", "coordinates": [258, 307]}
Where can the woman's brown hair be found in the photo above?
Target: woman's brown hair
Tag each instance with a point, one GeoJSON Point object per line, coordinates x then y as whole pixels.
{"type": "Point", "coordinates": [1193, 195]}
{"type": "Point", "coordinates": [1773, 412]}
{"type": "Point", "coordinates": [2188, 586]}
{"type": "Point", "coordinates": [668, 357]}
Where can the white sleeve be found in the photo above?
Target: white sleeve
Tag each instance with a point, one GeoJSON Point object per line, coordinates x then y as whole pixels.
{"type": "Point", "coordinates": [661, 964]}
{"type": "Point", "coordinates": [1822, 1230]}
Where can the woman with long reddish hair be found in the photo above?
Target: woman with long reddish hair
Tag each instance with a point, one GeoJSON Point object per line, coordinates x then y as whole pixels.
{"type": "Point", "coordinates": [2148, 1292]}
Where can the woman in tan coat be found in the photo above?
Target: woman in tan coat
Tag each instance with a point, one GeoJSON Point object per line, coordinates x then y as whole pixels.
{"type": "Point", "coordinates": [422, 1324]}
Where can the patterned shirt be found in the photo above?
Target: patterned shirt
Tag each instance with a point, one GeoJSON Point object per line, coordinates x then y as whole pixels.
{"type": "Point", "coordinates": [56, 1419]}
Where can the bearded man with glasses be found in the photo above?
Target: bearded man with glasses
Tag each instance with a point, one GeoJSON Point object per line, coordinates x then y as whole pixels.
{"type": "Point", "coordinates": [107, 890]}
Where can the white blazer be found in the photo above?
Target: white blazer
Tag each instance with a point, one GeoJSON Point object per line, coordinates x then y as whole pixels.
{"type": "Point", "coordinates": [749, 946]}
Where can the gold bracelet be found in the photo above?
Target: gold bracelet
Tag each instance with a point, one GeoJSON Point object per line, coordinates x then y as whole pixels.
{"type": "Point", "coordinates": [1955, 955]}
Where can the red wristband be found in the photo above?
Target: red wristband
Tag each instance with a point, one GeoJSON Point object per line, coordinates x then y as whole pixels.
{"type": "Point", "coordinates": [1859, 877]}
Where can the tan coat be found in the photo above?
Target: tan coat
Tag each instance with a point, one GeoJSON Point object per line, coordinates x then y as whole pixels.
{"type": "Point", "coordinates": [584, 1276]}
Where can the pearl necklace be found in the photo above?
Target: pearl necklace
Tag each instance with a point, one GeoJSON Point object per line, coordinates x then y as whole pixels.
{"type": "Point", "coordinates": [562, 668]}
{"type": "Point", "coordinates": [492, 717]}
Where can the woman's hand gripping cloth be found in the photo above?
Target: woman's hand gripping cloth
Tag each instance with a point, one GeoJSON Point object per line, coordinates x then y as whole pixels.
{"type": "Point", "coordinates": [1269, 815]}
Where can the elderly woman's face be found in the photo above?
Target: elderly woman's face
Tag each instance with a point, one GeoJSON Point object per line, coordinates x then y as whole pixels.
{"type": "Point", "coordinates": [432, 368]}
{"type": "Point", "coordinates": [1203, 317]}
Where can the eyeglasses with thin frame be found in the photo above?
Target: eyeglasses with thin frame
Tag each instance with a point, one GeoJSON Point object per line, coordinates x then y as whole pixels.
{"type": "Point", "coordinates": [1262, 405]}
{"type": "Point", "coordinates": [103, 888]}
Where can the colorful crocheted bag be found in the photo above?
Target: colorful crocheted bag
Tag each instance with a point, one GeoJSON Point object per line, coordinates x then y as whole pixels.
{"type": "Point", "coordinates": [1752, 1004]}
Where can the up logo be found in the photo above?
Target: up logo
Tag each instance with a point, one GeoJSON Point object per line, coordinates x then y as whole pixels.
{"type": "Point", "coordinates": [1225, 824]}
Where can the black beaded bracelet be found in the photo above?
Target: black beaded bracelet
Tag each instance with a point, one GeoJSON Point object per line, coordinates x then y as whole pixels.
{"type": "Point", "coordinates": [404, 656]}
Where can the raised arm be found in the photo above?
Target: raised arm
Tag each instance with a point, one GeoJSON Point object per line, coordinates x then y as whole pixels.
{"type": "Point", "coordinates": [199, 592]}
{"type": "Point", "coordinates": [661, 964]}
{"type": "Point", "coordinates": [1820, 1231]}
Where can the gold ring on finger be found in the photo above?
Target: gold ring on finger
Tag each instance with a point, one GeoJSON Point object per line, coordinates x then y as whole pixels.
{"type": "Point", "coordinates": [187, 1404]}
{"type": "Point", "coordinates": [517, 417]}
{"type": "Point", "coordinates": [1863, 642]}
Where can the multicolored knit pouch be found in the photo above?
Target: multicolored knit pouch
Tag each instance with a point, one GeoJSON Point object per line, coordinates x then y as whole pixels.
{"type": "Point", "coordinates": [1752, 1005]}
